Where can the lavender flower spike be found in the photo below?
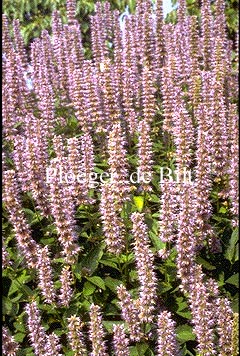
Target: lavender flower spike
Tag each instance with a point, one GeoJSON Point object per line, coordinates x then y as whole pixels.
{"type": "Point", "coordinates": [53, 347]}
{"type": "Point", "coordinates": [9, 345]}
{"type": "Point", "coordinates": [96, 332]}
{"type": "Point", "coordinates": [145, 268]}
{"type": "Point", "coordinates": [75, 335]}
{"type": "Point", "coordinates": [37, 334]}
{"type": "Point", "coordinates": [120, 341]}
{"type": "Point", "coordinates": [225, 326]}
{"type": "Point", "coordinates": [27, 246]}
{"type": "Point", "coordinates": [66, 291]}
{"type": "Point", "coordinates": [113, 225]}
{"type": "Point", "coordinates": [167, 343]}
{"type": "Point", "coordinates": [45, 275]}
{"type": "Point", "coordinates": [129, 313]}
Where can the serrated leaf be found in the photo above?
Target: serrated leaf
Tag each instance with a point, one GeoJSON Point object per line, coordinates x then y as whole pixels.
{"type": "Point", "coordinates": [91, 261]}
{"type": "Point", "coordinates": [26, 352]}
{"type": "Point", "coordinates": [222, 210]}
{"type": "Point", "coordinates": [24, 278]}
{"type": "Point", "coordinates": [158, 244]}
{"type": "Point", "coordinates": [19, 337]}
{"type": "Point", "coordinates": [142, 348]}
{"type": "Point", "coordinates": [138, 350]}
{"type": "Point", "coordinates": [110, 264]}
{"type": "Point", "coordinates": [70, 353]}
{"type": "Point", "coordinates": [230, 253]}
{"type": "Point", "coordinates": [17, 298]}
{"type": "Point", "coordinates": [27, 291]}
{"type": "Point", "coordinates": [47, 241]}
{"type": "Point", "coordinates": [13, 288]}
{"type": "Point", "coordinates": [184, 333]}
{"type": "Point", "coordinates": [9, 308]}
{"type": "Point", "coordinates": [19, 326]}
{"type": "Point", "coordinates": [182, 309]}
{"type": "Point", "coordinates": [112, 283]}
{"type": "Point", "coordinates": [154, 198]}
{"type": "Point", "coordinates": [88, 288]}
{"type": "Point", "coordinates": [235, 303]}
{"type": "Point", "coordinates": [185, 314]}
{"type": "Point", "coordinates": [236, 257]}
{"type": "Point", "coordinates": [205, 263]}
{"type": "Point", "coordinates": [98, 281]}
{"type": "Point", "coordinates": [234, 280]}
{"type": "Point", "coordinates": [165, 287]}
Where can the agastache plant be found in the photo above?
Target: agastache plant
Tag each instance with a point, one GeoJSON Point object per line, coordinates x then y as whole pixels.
{"type": "Point", "coordinates": [105, 265]}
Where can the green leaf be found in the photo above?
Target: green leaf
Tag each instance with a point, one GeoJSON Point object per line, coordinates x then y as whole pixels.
{"type": "Point", "coordinates": [27, 291]}
{"type": "Point", "coordinates": [9, 308]}
{"type": "Point", "coordinates": [184, 333]}
{"type": "Point", "coordinates": [185, 314]}
{"type": "Point", "coordinates": [158, 244]}
{"type": "Point", "coordinates": [88, 288]}
{"type": "Point", "coordinates": [19, 326]}
{"type": "Point", "coordinates": [24, 277]}
{"type": "Point", "coordinates": [186, 352]}
{"type": "Point", "coordinates": [17, 298]}
{"type": "Point", "coordinates": [182, 309]}
{"type": "Point", "coordinates": [138, 350]}
{"type": "Point", "coordinates": [231, 252]}
{"type": "Point", "coordinates": [222, 210]}
{"type": "Point", "coordinates": [13, 288]}
{"type": "Point", "coordinates": [110, 264]}
{"type": "Point", "coordinates": [236, 257]}
{"type": "Point", "coordinates": [19, 337]}
{"type": "Point", "coordinates": [109, 325]}
{"type": "Point", "coordinates": [48, 241]}
{"type": "Point", "coordinates": [235, 303]}
{"type": "Point", "coordinates": [142, 348]}
{"type": "Point", "coordinates": [154, 198]}
{"type": "Point", "coordinates": [165, 287]}
{"type": "Point", "coordinates": [91, 261]}
{"type": "Point", "coordinates": [234, 279]}
{"type": "Point", "coordinates": [112, 283]}
{"type": "Point", "coordinates": [70, 353]}
{"type": "Point", "coordinates": [26, 352]}
{"type": "Point", "coordinates": [98, 281]}
{"type": "Point", "coordinates": [139, 202]}
{"type": "Point", "coordinates": [205, 263]}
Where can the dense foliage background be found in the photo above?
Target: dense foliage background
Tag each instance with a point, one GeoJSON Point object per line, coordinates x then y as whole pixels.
{"type": "Point", "coordinates": [97, 272]}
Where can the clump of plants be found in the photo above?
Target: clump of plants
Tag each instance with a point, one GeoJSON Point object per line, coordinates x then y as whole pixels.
{"type": "Point", "coordinates": [120, 185]}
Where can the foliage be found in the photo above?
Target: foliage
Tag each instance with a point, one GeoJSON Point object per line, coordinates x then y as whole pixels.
{"type": "Point", "coordinates": [35, 15]}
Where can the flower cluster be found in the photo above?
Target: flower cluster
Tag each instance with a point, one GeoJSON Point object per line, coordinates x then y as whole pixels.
{"type": "Point", "coordinates": [113, 226]}
{"type": "Point", "coordinates": [75, 335]}
{"type": "Point", "coordinates": [145, 268]}
{"type": "Point", "coordinates": [146, 90]}
{"type": "Point", "coordinates": [45, 275]}
{"type": "Point", "coordinates": [120, 341]}
{"type": "Point", "coordinates": [11, 198]}
{"type": "Point", "coordinates": [9, 345]}
{"type": "Point", "coordinates": [167, 344]}
{"type": "Point", "coordinates": [96, 332]}
{"type": "Point", "coordinates": [37, 333]}
{"type": "Point", "coordinates": [66, 290]}
{"type": "Point", "coordinates": [129, 313]}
